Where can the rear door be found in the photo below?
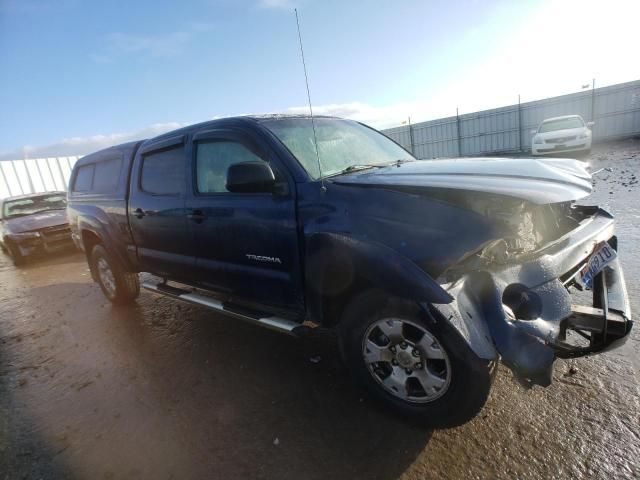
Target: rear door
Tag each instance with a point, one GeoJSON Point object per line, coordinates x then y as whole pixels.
{"type": "Point", "coordinates": [157, 214]}
{"type": "Point", "coordinates": [246, 243]}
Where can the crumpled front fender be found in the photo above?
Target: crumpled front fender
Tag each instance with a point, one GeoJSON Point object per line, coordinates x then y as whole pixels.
{"type": "Point", "coordinates": [478, 315]}
{"type": "Point", "coordinates": [523, 312]}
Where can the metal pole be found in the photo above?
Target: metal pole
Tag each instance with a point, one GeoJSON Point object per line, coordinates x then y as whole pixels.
{"type": "Point", "coordinates": [458, 132]}
{"type": "Point", "coordinates": [411, 137]}
{"type": "Point", "coordinates": [15, 172]}
{"type": "Point", "coordinates": [55, 187]}
{"type": "Point", "coordinates": [4, 177]}
{"type": "Point", "coordinates": [519, 125]}
{"type": "Point", "coordinates": [593, 100]}
{"type": "Point", "coordinates": [44, 185]}
{"type": "Point", "coordinates": [26, 169]}
{"type": "Point", "coordinates": [64, 181]}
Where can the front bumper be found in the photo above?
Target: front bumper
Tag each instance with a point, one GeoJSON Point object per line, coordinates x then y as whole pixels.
{"type": "Point", "coordinates": [50, 240]}
{"type": "Point", "coordinates": [527, 314]}
{"type": "Point", "coordinates": [573, 146]}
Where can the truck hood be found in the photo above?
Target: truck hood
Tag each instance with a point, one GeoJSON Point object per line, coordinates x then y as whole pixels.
{"type": "Point", "coordinates": [36, 221]}
{"type": "Point", "coordinates": [539, 181]}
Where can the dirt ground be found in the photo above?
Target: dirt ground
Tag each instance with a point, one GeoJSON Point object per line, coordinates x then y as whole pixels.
{"type": "Point", "coordinates": [163, 390]}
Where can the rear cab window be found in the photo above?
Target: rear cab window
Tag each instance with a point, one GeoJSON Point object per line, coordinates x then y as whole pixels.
{"type": "Point", "coordinates": [106, 177]}
{"type": "Point", "coordinates": [84, 178]}
{"type": "Point", "coordinates": [99, 177]}
{"type": "Point", "coordinates": [162, 172]}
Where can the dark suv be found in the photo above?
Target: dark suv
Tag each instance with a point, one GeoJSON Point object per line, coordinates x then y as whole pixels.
{"type": "Point", "coordinates": [430, 271]}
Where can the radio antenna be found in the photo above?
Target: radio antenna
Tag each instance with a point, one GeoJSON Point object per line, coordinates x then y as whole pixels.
{"type": "Point", "coordinates": [313, 125]}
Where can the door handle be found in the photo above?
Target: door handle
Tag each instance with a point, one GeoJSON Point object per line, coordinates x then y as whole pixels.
{"type": "Point", "coordinates": [197, 216]}
{"type": "Point", "coordinates": [139, 213]}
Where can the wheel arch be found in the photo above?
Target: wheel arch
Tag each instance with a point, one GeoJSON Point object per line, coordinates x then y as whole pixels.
{"type": "Point", "coordinates": [339, 266]}
{"type": "Point", "coordinates": [92, 232]}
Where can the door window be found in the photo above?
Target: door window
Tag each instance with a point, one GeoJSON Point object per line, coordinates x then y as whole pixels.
{"type": "Point", "coordinates": [213, 159]}
{"type": "Point", "coordinates": [163, 172]}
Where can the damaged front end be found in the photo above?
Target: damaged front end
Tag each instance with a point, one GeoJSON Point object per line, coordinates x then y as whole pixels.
{"type": "Point", "coordinates": [523, 294]}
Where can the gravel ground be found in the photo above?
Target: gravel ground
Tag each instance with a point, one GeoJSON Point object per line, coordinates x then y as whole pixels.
{"type": "Point", "coordinates": [163, 390]}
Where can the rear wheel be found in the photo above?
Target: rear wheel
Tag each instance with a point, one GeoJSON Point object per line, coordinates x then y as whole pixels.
{"type": "Point", "coordinates": [421, 369]}
{"type": "Point", "coordinates": [118, 285]}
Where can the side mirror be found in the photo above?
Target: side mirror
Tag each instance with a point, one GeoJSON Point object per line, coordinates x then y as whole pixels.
{"type": "Point", "coordinates": [534, 131]}
{"type": "Point", "coordinates": [590, 124]}
{"type": "Point", "coordinates": [250, 177]}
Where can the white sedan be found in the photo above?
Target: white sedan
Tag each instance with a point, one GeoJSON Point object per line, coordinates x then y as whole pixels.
{"type": "Point", "coordinates": [562, 134]}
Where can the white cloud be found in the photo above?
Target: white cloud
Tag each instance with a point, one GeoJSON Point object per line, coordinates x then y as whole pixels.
{"type": "Point", "coordinates": [76, 146]}
{"type": "Point", "coordinates": [380, 117]}
{"type": "Point", "coordinates": [376, 116]}
{"type": "Point", "coordinates": [162, 45]}
{"type": "Point", "coordinates": [277, 3]}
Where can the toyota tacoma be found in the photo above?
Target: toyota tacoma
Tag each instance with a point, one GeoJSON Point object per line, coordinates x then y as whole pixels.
{"type": "Point", "coordinates": [430, 271]}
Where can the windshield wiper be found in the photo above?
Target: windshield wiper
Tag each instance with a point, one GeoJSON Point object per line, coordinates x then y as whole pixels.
{"type": "Point", "coordinates": [400, 161]}
{"type": "Point", "coordinates": [365, 166]}
{"type": "Point", "coordinates": [355, 168]}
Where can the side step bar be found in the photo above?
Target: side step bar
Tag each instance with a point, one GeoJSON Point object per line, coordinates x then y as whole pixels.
{"type": "Point", "coordinates": [274, 323]}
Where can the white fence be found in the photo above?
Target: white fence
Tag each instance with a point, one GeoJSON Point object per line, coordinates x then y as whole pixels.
{"type": "Point", "coordinates": [615, 109]}
{"type": "Point", "coordinates": [35, 175]}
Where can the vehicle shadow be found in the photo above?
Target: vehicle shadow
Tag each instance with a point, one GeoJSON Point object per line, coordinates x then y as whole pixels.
{"type": "Point", "coordinates": [42, 260]}
{"type": "Point", "coordinates": [210, 394]}
{"type": "Point", "coordinates": [24, 453]}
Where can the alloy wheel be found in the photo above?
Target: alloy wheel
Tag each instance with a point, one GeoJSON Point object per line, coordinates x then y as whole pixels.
{"type": "Point", "coordinates": [406, 360]}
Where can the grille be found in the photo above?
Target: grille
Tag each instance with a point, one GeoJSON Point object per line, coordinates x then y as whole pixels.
{"type": "Point", "coordinates": [560, 139]}
{"type": "Point", "coordinates": [59, 232]}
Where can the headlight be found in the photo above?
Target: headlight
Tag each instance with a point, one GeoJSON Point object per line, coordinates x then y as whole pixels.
{"type": "Point", "coordinates": [538, 140]}
{"type": "Point", "coordinates": [583, 135]}
{"type": "Point", "coordinates": [24, 236]}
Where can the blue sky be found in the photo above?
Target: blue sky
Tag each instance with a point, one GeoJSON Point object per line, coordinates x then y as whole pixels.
{"type": "Point", "coordinates": [79, 75]}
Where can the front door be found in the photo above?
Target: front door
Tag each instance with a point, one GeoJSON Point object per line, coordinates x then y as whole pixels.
{"type": "Point", "coordinates": [246, 243]}
{"type": "Point", "coordinates": [157, 212]}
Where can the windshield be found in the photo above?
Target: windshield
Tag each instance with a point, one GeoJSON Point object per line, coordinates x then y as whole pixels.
{"type": "Point", "coordinates": [29, 206]}
{"type": "Point", "coordinates": [561, 124]}
{"type": "Point", "coordinates": [341, 144]}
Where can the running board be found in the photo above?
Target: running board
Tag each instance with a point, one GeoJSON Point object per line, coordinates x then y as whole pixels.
{"type": "Point", "coordinates": [273, 323]}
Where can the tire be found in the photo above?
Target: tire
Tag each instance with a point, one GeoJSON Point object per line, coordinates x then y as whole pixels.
{"type": "Point", "coordinates": [16, 256]}
{"type": "Point", "coordinates": [119, 286]}
{"type": "Point", "coordinates": [462, 380]}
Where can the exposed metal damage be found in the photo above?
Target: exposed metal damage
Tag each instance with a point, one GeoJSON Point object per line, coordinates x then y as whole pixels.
{"type": "Point", "coordinates": [513, 297]}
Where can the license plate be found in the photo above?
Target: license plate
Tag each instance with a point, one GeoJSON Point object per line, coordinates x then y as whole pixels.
{"type": "Point", "coordinates": [602, 256]}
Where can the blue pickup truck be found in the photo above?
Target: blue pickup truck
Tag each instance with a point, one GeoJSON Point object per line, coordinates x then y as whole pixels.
{"type": "Point", "coordinates": [430, 271]}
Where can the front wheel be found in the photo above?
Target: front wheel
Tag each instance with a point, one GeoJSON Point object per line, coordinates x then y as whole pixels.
{"type": "Point", "coordinates": [15, 254]}
{"type": "Point", "coordinates": [118, 285]}
{"type": "Point", "coordinates": [420, 368]}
